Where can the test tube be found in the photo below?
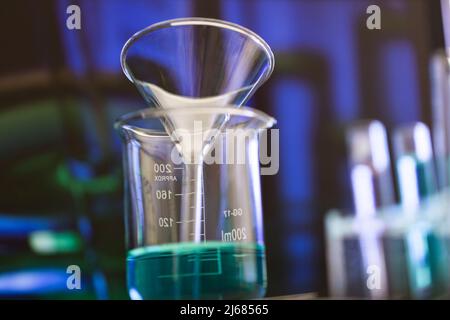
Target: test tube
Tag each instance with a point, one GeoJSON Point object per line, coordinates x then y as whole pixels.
{"type": "Point", "coordinates": [445, 11]}
{"type": "Point", "coordinates": [416, 181]}
{"type": "Point", "coordinates": [370, 167]}
{"type": "Point", "coordinates": [372, 188]}
{"type": "Point", "coordinates": [414, 164]}
{"type": "Point", "coordinates": [440, 102]}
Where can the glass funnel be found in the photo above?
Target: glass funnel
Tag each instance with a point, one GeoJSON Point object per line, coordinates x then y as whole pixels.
{"type": "Point", "coordinates": [196, 62]}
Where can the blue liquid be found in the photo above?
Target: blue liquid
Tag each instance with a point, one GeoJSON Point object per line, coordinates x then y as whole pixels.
{"type": "Point", "coordinates": [212, 270]}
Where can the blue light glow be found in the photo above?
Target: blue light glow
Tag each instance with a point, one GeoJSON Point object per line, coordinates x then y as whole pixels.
{"type": "Point", "coordinates": [38, 281]}
{"type": "Point", "coordinates": [399, 82]}
{"type": "Point", "coordinates": [23, 226]}
{"type": "Point", "coordinates": [110, 24]}
{"type": "Point", "coordinates": [295, 101]}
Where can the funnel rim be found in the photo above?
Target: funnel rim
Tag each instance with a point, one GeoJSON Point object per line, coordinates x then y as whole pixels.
{"type": "Point", "coordinates": [123, 121]}
{"type": "Point", "coordinates": [205, 22]}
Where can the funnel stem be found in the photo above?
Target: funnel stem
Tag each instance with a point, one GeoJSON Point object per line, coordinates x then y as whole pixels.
{"type": "Point", "coordinates": [191, 203]}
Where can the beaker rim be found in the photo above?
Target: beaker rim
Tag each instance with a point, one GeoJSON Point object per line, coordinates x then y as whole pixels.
{"type": "Point", "coordinates": [154, 113]}
{"type": "Point", "coordinates": [190, 21]}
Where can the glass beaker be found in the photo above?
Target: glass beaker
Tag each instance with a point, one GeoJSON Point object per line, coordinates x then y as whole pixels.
{"type": "Point", "coordinates": [216, 254]}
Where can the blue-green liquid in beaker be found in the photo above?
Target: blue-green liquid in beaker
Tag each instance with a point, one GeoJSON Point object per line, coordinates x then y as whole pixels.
{"type": "Point", "coordinates": [211, 270]}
